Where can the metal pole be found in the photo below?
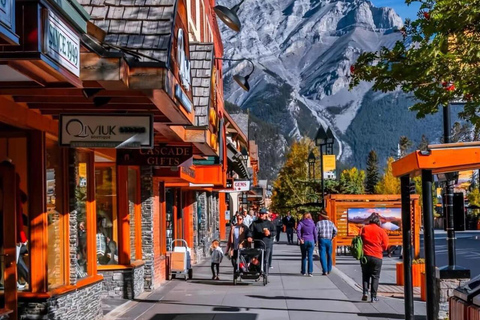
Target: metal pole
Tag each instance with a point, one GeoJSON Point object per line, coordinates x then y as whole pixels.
{"type": "Point", "coordinates": [321, 176]}
{"type": "Point", "coordinates": [407, 247]}
{"type": "Point", "coordinates": [429, 242]}
{"type": "Point", "coordinates": [450, 221]}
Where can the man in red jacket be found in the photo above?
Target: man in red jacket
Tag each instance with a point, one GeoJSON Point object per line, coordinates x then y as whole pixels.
{"type": "Point", "coordinates": [375, 241]}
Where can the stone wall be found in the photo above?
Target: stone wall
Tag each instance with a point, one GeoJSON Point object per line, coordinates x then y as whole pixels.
{"type": "Point", "coordinates": [82, 304]}
{"type": "Point", "coordinates": [124, 283]}
{"type": "Point", "coordinates": [147, 198]}
{"type": "Point", "coordinates": [445, 288]}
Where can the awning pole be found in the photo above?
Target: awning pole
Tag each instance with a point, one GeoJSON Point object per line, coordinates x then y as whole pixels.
{"type": "Point", "coordinates": [407, 247]}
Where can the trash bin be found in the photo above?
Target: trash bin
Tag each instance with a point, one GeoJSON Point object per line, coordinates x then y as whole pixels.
{"type": "Point", "coordinates": [469, 290]}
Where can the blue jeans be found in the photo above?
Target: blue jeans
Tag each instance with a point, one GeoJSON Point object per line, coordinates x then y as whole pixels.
{"type": "Point", "coordinates": [325, 254]}
{"type": "Point", "coordinates": [307, 252]}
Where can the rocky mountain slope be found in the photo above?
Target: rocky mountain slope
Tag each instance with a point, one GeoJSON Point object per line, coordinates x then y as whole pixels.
{"type": "Point", "coordinates": [302, 51]}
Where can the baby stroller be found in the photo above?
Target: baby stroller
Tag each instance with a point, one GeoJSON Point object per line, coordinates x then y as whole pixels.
{"type": "Point", "coordinates": [250, 264]}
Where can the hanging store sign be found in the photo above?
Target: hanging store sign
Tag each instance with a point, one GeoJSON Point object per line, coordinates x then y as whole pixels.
{"type": "Point", "coordinates": [183, 62]}
{"type": "Point", "coordinates": [241, 185]}
{"type": "Point", "coordinates": [229, 183]}
{"type": "Point", "coordinates": [160, 156]}
{"type": "Point", "coordinates": [61, 43]}
{"type": "Point", "coordinates": [6, 13]}
{"type": "Point", "coordinates": [106, 131]}
{"type": "Point", "coordinates": [183, 98]}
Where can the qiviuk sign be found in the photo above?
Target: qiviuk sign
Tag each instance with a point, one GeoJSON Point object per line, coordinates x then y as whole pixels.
{"type": "Point", "coordinates": [106, 131]}
{"type": "Point", "coordinates": [61, 43]}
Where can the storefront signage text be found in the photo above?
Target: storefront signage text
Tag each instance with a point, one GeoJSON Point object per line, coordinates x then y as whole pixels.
{"type": "Point", "coordinates": [160, 156]}
{"type": "Point", "coordinates": [241, 185]}
{"type": "Point", "coordinates": [106, 131]}
{"type": "Point", "coordinates": [62, 44]}
{"type": "Point", "coordinates": [6, 12]}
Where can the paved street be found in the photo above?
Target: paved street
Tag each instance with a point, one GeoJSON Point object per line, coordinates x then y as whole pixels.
{"type": "Point", "coordinates": [288, 296]}
{"type": "Point", "coordinates": [467, 249]}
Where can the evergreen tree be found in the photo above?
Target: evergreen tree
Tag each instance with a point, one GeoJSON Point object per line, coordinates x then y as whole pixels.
{"type": "Point", "coordinates": [388, 184]}
{"type": "Point", "coordinates": [373, 176]}
{"type": "Point", "coordinates": [404, 144]}
{"type": "Point", "coordinates": [423, 145]}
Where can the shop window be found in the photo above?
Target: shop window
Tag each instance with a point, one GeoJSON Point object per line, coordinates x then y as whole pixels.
{"type": "Point", "coordinates": [81, 198]}
{"type": "Point", "coordinates": [134, 212]}
{"type": "Point", "coordinates": [106, 199]}
{"type": "Point", "coordinates": [55, 207]}
{"type": "Point", "coordinates": [170, 204]}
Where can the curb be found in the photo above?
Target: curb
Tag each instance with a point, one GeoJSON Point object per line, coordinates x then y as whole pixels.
{"type": "Point", "coordinates": [347, 279]}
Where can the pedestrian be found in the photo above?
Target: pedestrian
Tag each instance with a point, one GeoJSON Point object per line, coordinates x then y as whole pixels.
{"type": "Point", "coordinates": [307, 235]}
{"type": "Point", "coordinates": [238, 233]}
{"type": "Point", "coordinates": [326, 232]}
{"type": "Point", "coordinates": [249, 218]}
{"type": "Point", "coordinates": [262, 229]}
{"type": "Point", "coordinates": [277, 221]}
{"type": "Point", "coordinates": [289, 223]}
{"type": "Point", "coordinates": [375, 241]}
{"type": "Point", "coordinates": [271, 218]}
{"type": "Point", "coordinates": [216, 259]}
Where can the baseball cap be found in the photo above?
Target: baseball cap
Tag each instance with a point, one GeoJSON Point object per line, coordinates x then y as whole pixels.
{"type": "Point", "coordinates": [262, 211]}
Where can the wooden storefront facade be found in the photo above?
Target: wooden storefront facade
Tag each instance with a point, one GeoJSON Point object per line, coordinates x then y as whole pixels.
{"type": "Point", "coordinates": [97, 227]}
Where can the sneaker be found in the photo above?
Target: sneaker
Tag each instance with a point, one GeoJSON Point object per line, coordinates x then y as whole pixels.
{"type": "Point", "coordinates": [217, 278]}
{"type": "Point", "coordinates": [324, 273]}
{"type": "Point", "coordinates": [310, 275]}
{"type": "Point", "coordinates": [364, 297]}
{"type": "Point", "coordinates": [374, 299]}
{"type": "Point", "coordinates": [304, 274]}
{"type": "Point", "coordinates": [213, 278]}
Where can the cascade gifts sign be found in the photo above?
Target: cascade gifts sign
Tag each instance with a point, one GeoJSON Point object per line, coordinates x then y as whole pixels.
{"type": "Point", "coordinates": [160, 156]}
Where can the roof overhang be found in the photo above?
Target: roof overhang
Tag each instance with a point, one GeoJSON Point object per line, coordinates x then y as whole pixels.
{"type": "Point", "coordinates": [439, 159]}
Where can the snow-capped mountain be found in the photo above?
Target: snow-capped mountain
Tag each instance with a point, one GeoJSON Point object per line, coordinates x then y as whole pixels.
{"type": "Point", "coordinates": [302, 51]}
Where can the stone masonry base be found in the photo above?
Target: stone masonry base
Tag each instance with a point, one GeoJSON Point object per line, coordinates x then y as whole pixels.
{"type": "Point", "coordinates": [445, 289]}
{"type": "Point", "coordinates": [125, 283]}
{"type": "Point", "coordinates": [82, 304]}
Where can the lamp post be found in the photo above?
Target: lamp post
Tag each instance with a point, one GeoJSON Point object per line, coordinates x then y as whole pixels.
{"type": "Point", "coordinates": [311, 165]}
{"type": "Point", "coordinates": [244, 158]}
{"type": "Point", "coordinates": [320, 141]}
{"type": "Point", "coordinates": [241, 80]}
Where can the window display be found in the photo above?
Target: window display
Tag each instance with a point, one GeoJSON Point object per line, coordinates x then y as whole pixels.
{"type": "Point", "coordinates": [55, 249]}
{"type": "Point", "coordinates": [81, 208]}
{"type": "Point", "coordinates": [106, 199]}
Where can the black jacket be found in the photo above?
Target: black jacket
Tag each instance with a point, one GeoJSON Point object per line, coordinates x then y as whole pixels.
{"type": "Point", "coordinates": [289, 224]}
{"type": "Point", "coordinates": [256, 230]}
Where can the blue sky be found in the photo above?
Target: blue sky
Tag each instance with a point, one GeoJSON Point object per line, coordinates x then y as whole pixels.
{"type": "Point", "coordinates": [400, 7]}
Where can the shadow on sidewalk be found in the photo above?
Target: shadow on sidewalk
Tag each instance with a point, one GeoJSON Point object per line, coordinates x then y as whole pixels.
{"type": "Point", "coordinates": [206, 316]}
{"type": "Point", "coordinates": [298, 298]}
{"type": "Point", "coordinates": [217, 282]}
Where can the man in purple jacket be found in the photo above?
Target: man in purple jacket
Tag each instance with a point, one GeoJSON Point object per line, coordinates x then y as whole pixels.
{"type": "Point", "coordinates": [307, 234]}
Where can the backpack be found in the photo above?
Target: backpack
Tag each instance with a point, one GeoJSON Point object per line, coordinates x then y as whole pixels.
{"type": "Point", "coordinates": [356, 249]}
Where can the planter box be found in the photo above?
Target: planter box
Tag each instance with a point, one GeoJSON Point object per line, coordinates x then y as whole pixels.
{"type": "Point", "coordinates": [417, 269]}
{"type": "Point", "coordinates": [423, 287]}
{"type": "Point", "coordinates": [399, 274]}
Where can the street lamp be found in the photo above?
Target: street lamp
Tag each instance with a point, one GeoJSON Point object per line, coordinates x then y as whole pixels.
{"type": "Point", "coordinates": [330, 141]}
{"type": "Point", "coordinates": [229, 16]}
{"type": "Point", "coordinates": [311, 165]}
{"type": "Point", "coordinates": [241, 80]}
{"type": "Point", "coordinates": [320, 141]}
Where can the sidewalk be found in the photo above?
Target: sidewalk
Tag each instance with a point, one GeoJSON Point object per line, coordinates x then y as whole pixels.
{"type": "Point", "coordinates": [288, 296]}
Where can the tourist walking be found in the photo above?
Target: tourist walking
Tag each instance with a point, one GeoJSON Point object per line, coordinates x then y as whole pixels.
{"type": "Point", "coordinates": [277, 221]}
{"type": "Point", "coordinates": [216, 258]}
{"type": "Point", "coordinates": [263, 229]}
{"type": "Point", "coordinates": [271, 217]}
{"type": "Point", "coordinates": [375, 241]}
{"type": "Point", "coordinates": [238, 233]}
{"type": "Point", "coordinates": [249, 218]}
{"type": "Point", "coordinates": [289, 223]}
{"type": "Point", "coordinates": [326, 232]}
{"type": "Point", "coordinates": [307, 235]}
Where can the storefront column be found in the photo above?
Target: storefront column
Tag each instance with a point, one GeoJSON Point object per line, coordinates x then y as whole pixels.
{"type": "Point", "coordinates": [147, 198]}
{"type": "Point", "coordinates": [222, 208]}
